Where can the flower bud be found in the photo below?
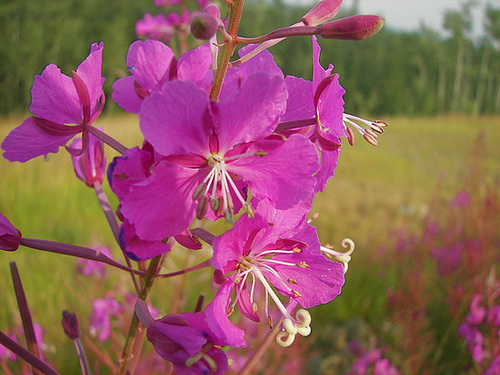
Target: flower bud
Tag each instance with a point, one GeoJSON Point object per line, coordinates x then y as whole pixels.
{"type": "Point", "coordinates": [322, 12]}
{"type": "Point", "coordinates": [90, 166]}
{"type": "Point", "coordinates": [204, 26]}
{"type": "Point", "coordinates": [70, 325]}
{"type": "Point", "coordinates": [352, 28]}
{"type": "Point", "coordinates": [10, 237]}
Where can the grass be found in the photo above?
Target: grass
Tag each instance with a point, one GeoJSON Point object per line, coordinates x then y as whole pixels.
{"type": "Point", "coordinates": [375, 191]}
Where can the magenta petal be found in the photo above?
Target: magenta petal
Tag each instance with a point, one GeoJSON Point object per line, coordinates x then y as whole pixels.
{"type": "Point", "coordinates": [149, 62]}
{"type": "Point", "coordinates": [54, 97]}
{"type": "Point", "coordinates": [218, 320]}
{"type": "Point", "coordinates": [320, 282]}
{"type": "Point", "coordinates": [194, 66]}
{"type": "Point", "coordinates": [125, 95]}
{"type": "Point", "coordinates": [318, 72]}
{"type": "Point", "coordinates": [328, 163]}
{"type": "Point", "coordinates": [253, 112]}
{"type": "Point", "coordinates": [162, 206]}
{"type": "Point", "coordinates": [284, 175]}
{"type": "Point", "coordinates": [139, 249]}
{"type": "Point", "coordinates": [300, 104]}
{"type": "Point", "coordinates": [173, 121]}
{"type": "Point", "coordinates": [10, 236]}
{"type": "Point", "coordinates": [330, 108]}
{"type": "Point", "coordinates": [27, 141]}
{"type": "Point", "coordinates": [90, 71]}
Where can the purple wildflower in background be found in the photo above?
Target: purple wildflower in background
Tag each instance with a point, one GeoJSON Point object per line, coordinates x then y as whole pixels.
{"type": "Point", "coordinates": [157, 27]}
{"type": "Point", "coordinates": [212, 151]}
{"type": "Point", "coordinates": [275, 250]}
{"type": "Point", "coordinates": [58, 100]}
{"type": "Point", "coordinates": [87, 267]}
{"type": "Point", "coordinates": [100, 317]}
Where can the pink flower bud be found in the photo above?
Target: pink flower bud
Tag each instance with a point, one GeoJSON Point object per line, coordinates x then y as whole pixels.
{"type": "Point", "coordinates": [90, 166]}
{"type": "Point", "coordinates": [322, 12]}
{"type": "Point", "coordinates": [204, 26]}
{"type": "Point", "coordinates": [10, 237]}
{"type": "Point", "coordinates": [352, 28]}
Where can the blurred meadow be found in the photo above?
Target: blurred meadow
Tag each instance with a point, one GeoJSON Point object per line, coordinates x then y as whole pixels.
{"type": "Point", "coordinates": [422, 207]}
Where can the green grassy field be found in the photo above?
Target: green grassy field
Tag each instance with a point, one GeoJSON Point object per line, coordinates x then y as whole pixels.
{"type": "Point", "coordinates": [375, 190]}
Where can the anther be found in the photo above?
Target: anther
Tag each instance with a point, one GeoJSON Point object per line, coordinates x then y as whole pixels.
{"type": "Point", "coordinates": [350, 135]}
{"type": "Point", "coordinates": [202, 208]}
{"type": "Point", "coordinates": [199, 191]}
{"type": "Point", "coordinates": [302, 264]}
{"type": "Point", "coordinates": [370, 139]}
{"type": "Point", "coordinates": [296, 294]}
{"type": "Point", "coordinates": [214, 205]}
{"type": "Point", "coordinates": [292, 281]}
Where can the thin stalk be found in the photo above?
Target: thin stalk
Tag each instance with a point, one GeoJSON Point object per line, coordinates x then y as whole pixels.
{"type": "Point", "coordinates": [82, 358]}
{"type": "Point", "coordinates": [284, 32]}
{"type": "Point", "coordinates": [110, 141]}
{"type": "Point", "coordinates": [151, 275]}
{"type": "Point", "coordinates": [75, 251]}
{"type": "Point", "coordinates": [187, 270]}
{"type": "Point", "coordinates": [260, 351]}
{"type": "Point", "coordinates": [113, 224]}
{"type": "Point", "coordinates": [14, 347]}
{"type": "Point", "coordinates": [236, 9]}
{"type": "Point", "coordinates": [24, 310]}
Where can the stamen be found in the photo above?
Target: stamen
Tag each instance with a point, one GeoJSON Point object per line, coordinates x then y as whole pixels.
{"type": "Point", "coordinates": [234, 157]}
{"type": "Point", "coordinates": [370, 133]}
{"type": "Point", "coordinates": [302, 264]}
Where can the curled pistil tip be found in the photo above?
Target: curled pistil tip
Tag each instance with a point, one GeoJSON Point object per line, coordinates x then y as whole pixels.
{"type": "Point", "coordinates": [343, 258]}
{"type": "Point", "coordinates": [291, 328]}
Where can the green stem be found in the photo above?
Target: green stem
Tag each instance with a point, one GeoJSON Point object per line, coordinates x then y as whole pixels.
{"type": "Point", "coordinates": [227, 49]}
{"type": "Point", "coordinates": [134, 325]}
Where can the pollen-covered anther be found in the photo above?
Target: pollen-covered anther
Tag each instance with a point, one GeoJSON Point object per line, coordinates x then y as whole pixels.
{"type": "Point", "coordinates": [292, 281]}
{"type": "Point", "coordinates": [297, 250]}
{"type": "Point", "coordinates": [302, 264]}
{"type": "Point", "coordinates": [296, 294]}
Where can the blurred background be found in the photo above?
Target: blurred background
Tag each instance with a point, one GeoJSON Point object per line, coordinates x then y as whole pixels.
{"type": "Point", "coordinates": [422, 290]}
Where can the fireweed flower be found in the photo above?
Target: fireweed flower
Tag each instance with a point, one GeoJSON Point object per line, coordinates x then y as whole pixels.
{"type": "Point", "coordinates": [58, 100]}
{"type": "Point", "coordinates": [151, 63]}
{"type": "Point", "coordinates": [10, 237]}
{"type": "Point", "coordinates": [278, 251]}
{"type": "Point", "coordinates": [91, 164]}
{"type": "Point", "coordinates": [319, 100]}
{"type": "Point", "coordinates": [212, 151]}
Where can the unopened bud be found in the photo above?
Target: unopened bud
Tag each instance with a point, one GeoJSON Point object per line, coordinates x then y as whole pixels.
{"type": "Point", "coordinates": [204, 26]}
{"type": "Point", "coordinates": [70, 325]}
{"type": "Point", "coordinates": [10, 237]}
{"type": "Point", "coordinates": [352, 28]}
{"type": "Point", "coordinates": [322, 12]}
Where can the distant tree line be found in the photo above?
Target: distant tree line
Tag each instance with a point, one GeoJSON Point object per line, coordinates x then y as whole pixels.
{"type": "Point", "coordinates": [393, 73]}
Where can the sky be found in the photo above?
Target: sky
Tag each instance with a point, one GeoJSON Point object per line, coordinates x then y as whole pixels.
{"type": "Point", "coordinates": [408, 15]}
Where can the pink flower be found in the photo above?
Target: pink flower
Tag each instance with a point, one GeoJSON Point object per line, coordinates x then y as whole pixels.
{"type": "Point", "coordinates": [58, 100]}
{"type": "Point", "coordinates": [157, 27]}
{"type": "Point", "coordinates": [278, 251]}
{"type": "Point", "coordinates": [102, 311]}
{"type": "Point", "coordinates": [320, 100]}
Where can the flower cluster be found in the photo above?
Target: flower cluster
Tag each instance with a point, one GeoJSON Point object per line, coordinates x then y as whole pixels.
{"type": "Point", "coordinates": [239, 142]}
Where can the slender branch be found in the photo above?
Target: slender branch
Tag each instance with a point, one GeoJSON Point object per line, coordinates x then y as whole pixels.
{"type": "Point", "coordinates": [24, 310]}
{"type": "Point", "coordinates": [204, 264]}
{"type": "Point", "coordinates": [110, 141]}
{"type": "Point", "coordinates": [75, 251]}
{"type": "Point", "coordinates": [260, 350]}
{"type": "Point", "coordinates": [227, 49]}
{"type": "Point", "coordinates": [110, 216]}
{"type": "Point", "coordinates": [282, 33]}
{"type": "Point", "coordinates": [149, 279]}
{"type": "Point", "coordinates": [18, 350]}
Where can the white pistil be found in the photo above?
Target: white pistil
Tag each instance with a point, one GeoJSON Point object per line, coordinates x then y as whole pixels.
{"type": "Point", "coordinates": [279, 252]}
